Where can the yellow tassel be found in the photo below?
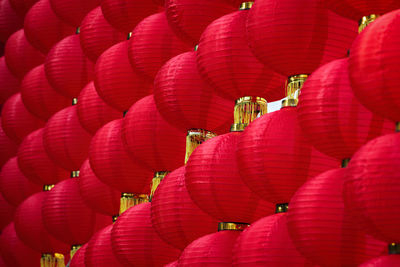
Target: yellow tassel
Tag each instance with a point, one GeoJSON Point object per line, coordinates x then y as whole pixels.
{"type": "Point", "coordinates": [365, 21]}
{"type": "Point", "coordinates": [230, 226]}
{"type": "Point", "coordinates": [247, 109]}
{"type": "Point", "coordinates": [158, 176]}
{"type": "Point", "coordinates": [129, 200]}
{"type": "Point", "coordinates": [59, 259]}
{"type": "Point", "coordinates": [293, 87]}
{"type": "Point", "coordinates": [74, 249]}
{"type": "Point", "coordinates": [47, 260]}
{"type": "Point", "coordinates": [194, 138]}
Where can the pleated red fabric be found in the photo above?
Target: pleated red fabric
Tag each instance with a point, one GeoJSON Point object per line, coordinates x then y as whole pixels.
{"type": "Point", "coordinates": [17, 121]}
{"type": "Point", "coordinates": [227, 64]}
{"type": "Point", "coordinates": [331, 117]}
{"type": "Point", "coordinates": [65, 140]}
{"type": "Point", "coordinates": [22, 6]}
{"type": "Point", "coordinates": [383, 261]}
{"type": "Point", "coordinates": [372, 66]}
{"type": "Point", "coordinates": [153, 44]}
{"type": "Point", "coordinates": [186, 101]}
{"type": "Point", "coordinates": [73, 11]}
{"type": "Point", "coordinates": [96, 194]}
{"type": "Point", "coordinates": [43, 28]}
{"type": "Point", "coordinates": [172, 264]}
{"type": "Point", "coordinates": [8, 148]}
{"type": "Point", "coordinates": [20, 55]}
{"type": "Point", "coordinates": [150, 139]}
{"type": "Point", "coordinates": [115, 80]}
{"type": "Point", "coordinates": [214, 183]}
{"type": "Point", "coordinates": [323, 230]}
{"type": "Point", "coordinates": [14, 186]}
{"type": "Point", "coordinates": [267, 243]}
{"type": "Point", "coordinates": [68, 70]}
{"type": "Point", "coordinates": [275, 158]}
{"type": "Point", "coordinates": [93, 112]}
{"type": "Point", "coordinates": [320, 35]}
{"type": "Point", "coordinates": [213, 249]}
{"type": "Point", "coordinates": [97, 35]}
{"type": "Point", "coordinates": [112, 164]}
{"type": "Point", "coordinates": [136, 243]}
{"type": "Point", "coordinates": [10, 22]}
{"type": "Point", "coordinates": [78, 260]}
{"type": "Point", "coordinates": [39, 97]}
{"type": "Point", "coordinates": [6, 211]}
{"type": "Point", "coordinates": [174, 216]}
{"type": "Point", "coordinates": [9, 84]}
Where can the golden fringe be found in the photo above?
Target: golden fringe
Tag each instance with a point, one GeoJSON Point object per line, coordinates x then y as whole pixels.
{"type": "Point", "coordinates": [158, 176]}
{"type": "Point", "coordinates": [129, 200]}
{"type": "Point", "coordinates": [194, 138]}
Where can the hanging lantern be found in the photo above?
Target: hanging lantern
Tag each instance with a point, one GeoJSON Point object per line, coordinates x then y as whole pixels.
{"type": "Point", "coordinates": [10, 22]}
{"type": "Point", "coordinates": [43, 28]}
{"type": "Point", "coordinates": [6, 213]}
{"type": "Point", "coordinates": [383, 261]}
{"type": "Point", "coordinates": [172, 264]}
{"type": "Point", "coordinates": [39, 97]}
{"type": "Point", "coordinates": [97, 35]}
{"type": "Point", "coordinates": [21, 7]}
{"type": "Point", "coordinates": [79, 258]}
{"type": "Point", "coordinates": [115, 80]}
{"type": "Point", "coordinates": [153, 44]}
{"type": "Point", "coordinates": [93, 112]}
{"type": "Point", "coordinates": [73, 11]}
{"type": "Point", "coordinates": [135, 242]}
{"type": "Point", "coordinates": [67, 68]}
{"type": "Point", "coordinates": [8, 148]}
{"type": "Point", "coordinates": [9, 83]}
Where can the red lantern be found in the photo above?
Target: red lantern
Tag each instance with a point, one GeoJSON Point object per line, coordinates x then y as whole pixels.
{"type": "Point", "coordinates": [64, 139]}
{"type": "Point", "coordinates": [17, 121]}
{"type": "Point", "coordinates": [73, 11]}
{"type": "Point", "coordinates": [93, 112]}
{"type": "Point", "coordinates": [97, 35]}
{"type": "Point", "coordinates": [115, 80]}
{"type": "Point", "coordinates": [43, 28]}
{"type": "Point", "coordinates": [153, 44]}
{"type": "Point", "coordinates": [22, 6]}
{"type": "Point", "coordinates": [317, 220]}
{"type": "Point", "coordinates": [10, 22]}
{"type": "Point", "coordinates": [172, 264]}
{"type": "Point", "coordinates": [9, 83]}
{"type": "Point", "coordinates": [8, 148]}
{"type": "Point", "coordinates": [79, 258]}
{"type": "Point", "coordinates": [331, 117]}
{"type": "Point", "coordinates": [67, 68]}
{"type": "Point", "coordinates": [39, 97]}
{"type": "Point", "coordinates": [383, 261]}
{"type": "Point", "coordinates": [6, 212]}
{"type": "Point", "coordinates": [135, 242]}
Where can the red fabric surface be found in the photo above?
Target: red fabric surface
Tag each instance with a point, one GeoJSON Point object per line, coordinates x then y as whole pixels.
{"type": "Point", "coordinates": [227, 64]}
{"type": "Point", "coordinates": [136, 243]}
{"type": "Point", "coordinates": [150, 139]}
{"type": "Point", "coordinates": [93, 112]}
{"type": "Point", "coordinates": [373, 66]}
{"type": "Point", "coordinates": [8, 82]}
{"type": "Point", "coordinates": [14, 186]}
{"type": "Point", "coordinates": [8, 148]}
{"type": "Point", "coordinates": [210, 250]}
{"type": "Point", "coordinates": [17, 121]}
{"type": "Point", "coordinates": [10, 22]}
{"type": "Point", "coordinates": [172, 264]}
{"type": "Point", "coordinates": [73, 11]}
{"type": "Point", "coordinates": [153, 44]}
{"type": "Point", "coordinates": [331, 117]}
{"type": "Point", "coordinates": [323, 230]}
{"type": "Point", "coordinates": [115, 80]}
{"type": "Point", "coordinates": [292, 44]}
{"type": "Point", "coordinates": [96, 194]}
{"type": "Point", "coordinates": [186, 101]}
{"type": "Point", "coordinates": [65, 140]}
{"type": "Point", "coordinates": [275, 159]}
{"type": "Point", "coordinates": [68, 70]}
{"type": "Point", "coordinates": [214, 183]}
{"type": "Point", "coordinates": [78, 260]}
{"type": "Point", "coordinates": [383, 261]}
{"type": "Point", "coordinates": [112, 164]}
{"type": "Point", "coordinates": [21, 7]}
{"type": "Point", "coordinates": [97, 35]}
{"type": "Point", "coordinates": [43, 28]}
{"type": "Point", "coordinates": [6, 213]}
{"type": "Point", "coordinates": [39, 97]}
{"type": "Point", "coordinates": [174, 216]}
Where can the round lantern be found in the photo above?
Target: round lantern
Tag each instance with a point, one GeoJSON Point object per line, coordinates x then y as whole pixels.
{"type": "Point", "coordinates": [9, 83]}
{"type": "Point", "coordinates": [322, 230]}
{"type": "Point", "coordinates": [8, 148]}
{"type": "Point", "coordinates": [331, 117]}
{"type": "Point", "coordinates": [383, 261]}
{"type": "Point", "coordinates": [115, 80]}
{"type": "Point", "coordinates": [67, 68]}
{"type": "Point", "coordinates": [172, 264]}
{"type": "Point", "coordinates": [372, 66]}
{"type": "Point", "coordinates": [135, 242]}
{"type": "Point", "coordinates": [43, 28]}
{"type": "Point", "coordinates": [79, 258]}
{"type": "Point", "coordinates": [14, 186]}
{"type": "Point", "coordinates": [17, 121]}
{"type": "Point", "coordinates": [150, 139]}
{"type": "Point", "coordinates": [73, 11]}
{"type": "Point", "coordinates": [65, 140]}
{"type": "Point", "coordinates": [22, 6]}
{"type": "Point", "coordinates": [10, 22]}
{"type": "Point", "coordinates": [275, 158]}
{"type": "Point", "coordinates": [153, 43]}
{"type": "Point", "coordinates": [39, 97]}
{"type": "Point", "coordinates": [97, 35]}
{"type": "Point", "coordinates": [93, 112]}
{"type": "Point", "coordinates": [6, 212]}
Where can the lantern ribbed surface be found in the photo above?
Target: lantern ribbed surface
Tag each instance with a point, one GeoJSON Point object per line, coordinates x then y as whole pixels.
{"type": "Point", "coordinates": [10, 22]}
{"type": "Point", "coordinates": [22, 6]}
{"type": "Point", "coordinates": [8, 148]}
{"type": "Point", "coordinates": [172, 264]}
{"type": "Point", "coordinates": [6, 211]}
{"type": "Point", "coordinates": [73, 11]}
{"type": "Point", "coordinates": [78, 260]}
{"type": "Point", "coordinates": [9, 83]}
{"type": "Point", "coordinates": [383, 261]}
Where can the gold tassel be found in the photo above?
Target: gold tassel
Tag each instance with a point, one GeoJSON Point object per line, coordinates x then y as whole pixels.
{"type": "Point", "coordinates": [246, 5]}
{"type": "Point", "coordinates": [74, 249]}
{"type": "Point", "coordinates": [158, 176]}
{"type": "Point", "coordinates": [194, 138]}
{"type": "Point", "coordinates": [280, 208]}
{"type": "Point", "coordinates": [47, 260]}
{"type": "Point", "coordinates": [365, 21]}
{"type": "Point", "coordinates": [129, 200]}
{"type": "Point", "coordinates": [247, 109]}
{"type": "Point", "coordinates": [75, 174]}
{"type": "Point", "coordinates": [59, 258]}
{"type": "Point", "coordinates": [230, 226]}
{"type": "Point", "coordinates": [293, 87]}
{"type": "Point", "coordinates": [48, 187]}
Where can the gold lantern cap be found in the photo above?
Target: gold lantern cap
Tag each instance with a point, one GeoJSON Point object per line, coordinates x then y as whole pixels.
{"type": "Point", "coordinates": [246, 5]}
{"type": "Point", "coordinates": [247, 109]}
{"type": "Point", "coordinates": [282, 207]}
{"type": "Point", "coordinates": [232, 226]}
{"type": "Point", "coordinates": [194, 138]}
{"type": "Point", "coordinates": [293, 87]}
{"type": "Point", "coordinates": [129, 200]}
{"type": "Point", "coordinates": [48, 187]}
{"type": "Point", "coordinates": [75, 174]}
{"type": "Point", "coordinates": [365, 21]}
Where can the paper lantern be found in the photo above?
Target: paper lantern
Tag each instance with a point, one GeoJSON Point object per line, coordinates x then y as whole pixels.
{"type": "Point", "coordinates": [383, 261]}
{"type": "Point", "coordinates": [9, 83]}
{"type": "Point", "coordinates": [93, 112]}
{"type": "Point", "coordinates": [39, 97]}
{"type": "Point", "coordinates": [43, 28]}
{"type": "Point", "coordinates": [73, 11]}
{"type": "Point", "coordinates": [322, 230]}
{"type": "Point", "coordinates": [68, 70]}
{"type": "Point", "coordinates": [275, 159]}
{"type": "Point", "coordinates": [10, 22]}
{"type": "Point", "coordinates": [21, 7]}
{"type": "Point", "coordinates": [153, 44]}
{"type": "Point", "coordinates": [79, 258]}
{"type": "Point", "coordinates": [135, 242]}
{"type": "Point", "coordinates": [17, 121]}
{"type": "Point", "coordinates": [371, 82]}
{"type": "Point", "coordinates": [97, 35]}
{"type": "Point", "coordinates": [65, 140]}
{"type": "Point", "coordinates": [8, 148]}
{"type": "Point", "coordinates": [332, 118]}
{"type": "Point", "coordinates": [115, 80]}
{"type": "Point", "coordinates": [172, 264]}
{"type": "Point", "coordinates": [6, 211]}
